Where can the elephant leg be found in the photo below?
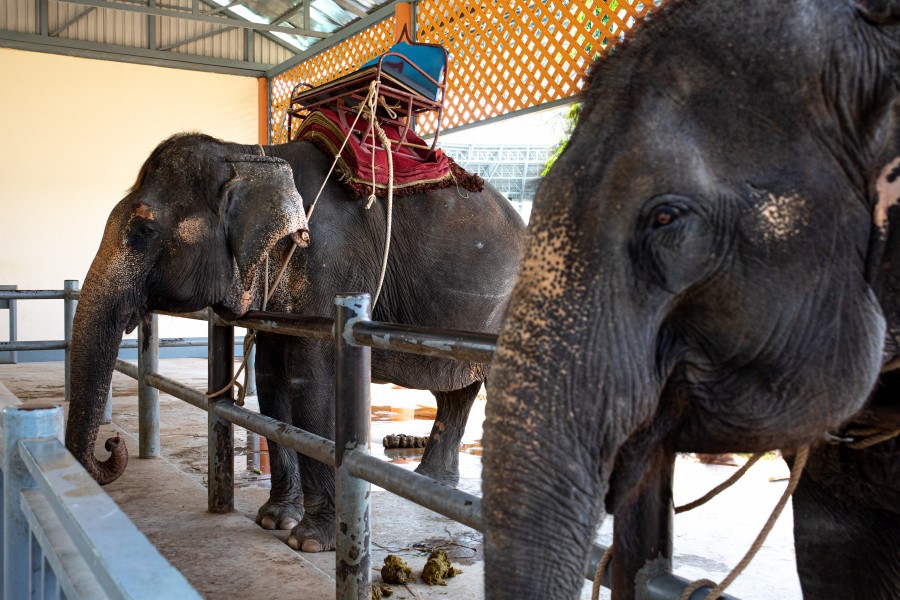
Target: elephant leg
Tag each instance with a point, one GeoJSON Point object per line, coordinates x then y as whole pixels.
{"type": "Point", "coordinates": [284, 508]}
{"type": "Point", "coordinates": [847, 523]}
{"type": "Point", "coordinates": [441, 458]}
{"type": "Point", "coordinates": [313, 410]}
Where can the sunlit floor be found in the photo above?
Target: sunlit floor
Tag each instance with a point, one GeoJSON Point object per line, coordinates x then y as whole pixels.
{"type": "Point", "coordinates": [227, 555]}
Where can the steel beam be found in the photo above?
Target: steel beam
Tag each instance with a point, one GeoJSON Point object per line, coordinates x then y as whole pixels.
{"type": "Point", "coordinates": [43, 16]}
{"type": "Point", "coordinates": [174, 14]}
{"type": "Point", "coordinates": [151, 27]}
{"type": "Point", "coordinates": [349, 7]}
{"type": "Point", "coordinates": [202, 36]}
{"type": "Point", "coordinates": [232, 15]}
{"type": "Point", "coordinates": [72, 21]}
{"type": "Point", "coordinates": [144, 56]}
{"type": "Point", "coordinates": [215, 11]}
{"type": "Point", "coordinates": [304, 6]}
{"type": "Point", "coordinates": [350, 30]}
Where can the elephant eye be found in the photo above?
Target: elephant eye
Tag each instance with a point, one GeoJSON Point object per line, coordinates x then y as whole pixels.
{"type": "Point", "coordinates": [663, 216]}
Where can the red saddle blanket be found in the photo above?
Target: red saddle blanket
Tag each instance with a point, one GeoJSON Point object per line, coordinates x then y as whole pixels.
{"type": "Point", "coordinates": [416, 169]}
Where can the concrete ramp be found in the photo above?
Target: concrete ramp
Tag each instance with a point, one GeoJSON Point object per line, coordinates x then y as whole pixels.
{"type": "Point", "coordinates": [222, 556]}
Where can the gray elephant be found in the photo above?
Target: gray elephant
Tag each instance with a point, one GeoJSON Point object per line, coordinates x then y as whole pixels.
{"type": "Point", "coordinates": [195, 231]}
{"type": "Point", "coordinates": [711, 265]}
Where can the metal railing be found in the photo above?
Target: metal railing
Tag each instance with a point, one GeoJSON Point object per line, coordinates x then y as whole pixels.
{"type": "Point", "coordinates": [62, 536]}
{"type": "Point", "coordinates": [354, 334]}
{"type": "Point", "coordinates": [70, 293]}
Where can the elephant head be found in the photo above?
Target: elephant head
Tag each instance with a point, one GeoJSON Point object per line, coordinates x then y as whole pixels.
{"type": "Point", "coordinates": [704, 268]}
{"type": "Point", "coordinates": [191, 233]}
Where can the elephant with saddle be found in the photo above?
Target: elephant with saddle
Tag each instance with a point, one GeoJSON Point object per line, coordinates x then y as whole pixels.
{"type": "Point", "coordinates": [198, 228]}
{"type": "Point", "coordinates": [713, 264]}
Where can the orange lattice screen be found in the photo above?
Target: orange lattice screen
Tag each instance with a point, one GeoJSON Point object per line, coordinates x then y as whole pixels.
{"type": "Point", "coordinates": [507, 55]}
{"type": "Point", "coordinates": [338, 60]}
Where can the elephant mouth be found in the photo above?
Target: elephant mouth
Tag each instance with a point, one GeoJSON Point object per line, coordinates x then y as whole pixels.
{"type": "Point", "coordinates": [133, 321]}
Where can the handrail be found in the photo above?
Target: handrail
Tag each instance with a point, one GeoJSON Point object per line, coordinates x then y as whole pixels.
{"type": "Point", "coordinates": [356, 462]}
{"type": "Point", "coordinates": [356, 468]}
{"type": "Point", "coordinates": [80, 533]}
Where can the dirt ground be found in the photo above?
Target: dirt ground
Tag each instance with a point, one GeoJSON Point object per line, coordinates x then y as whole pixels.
{"type": "Point", "coordinates": [708, 541]}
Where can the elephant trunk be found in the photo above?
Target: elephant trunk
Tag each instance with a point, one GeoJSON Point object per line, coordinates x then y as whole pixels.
{"type": "Point", "coordinates": [100, 320]}
{"type": "Point", "coordinates": [570, 383]}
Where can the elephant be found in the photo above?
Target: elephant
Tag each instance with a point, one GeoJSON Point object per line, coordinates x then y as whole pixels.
{"type": "Point", "coordinates": [197, 230]}
{"type": "Point", "coordinates": [711, 265]}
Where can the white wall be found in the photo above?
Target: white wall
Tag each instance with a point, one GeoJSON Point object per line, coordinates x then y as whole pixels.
{"type": "Point", "coordinates": [73, 135]}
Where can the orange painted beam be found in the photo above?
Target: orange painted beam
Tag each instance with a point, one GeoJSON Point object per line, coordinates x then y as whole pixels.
{"type": "Point", "coordinates": [403, 18]}
{"type": "Point", "coordinates": [263, 110]}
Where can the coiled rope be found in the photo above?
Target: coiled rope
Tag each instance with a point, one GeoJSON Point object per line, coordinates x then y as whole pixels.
{"type": "Point", "coordinates": [718, 589]}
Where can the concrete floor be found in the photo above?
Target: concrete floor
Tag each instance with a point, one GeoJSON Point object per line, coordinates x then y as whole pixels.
{"type": "Point", "coordinates": [225, 556]}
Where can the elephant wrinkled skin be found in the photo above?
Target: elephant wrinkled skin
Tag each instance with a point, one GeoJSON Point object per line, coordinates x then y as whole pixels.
{"type": "Point", "coordinates": [196, 231]}
{"type": "Point", "coordinates": [711, 265]}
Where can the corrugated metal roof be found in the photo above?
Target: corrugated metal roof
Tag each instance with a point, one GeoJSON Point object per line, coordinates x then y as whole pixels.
{"type": "Point", "coordinates": [246, 36]}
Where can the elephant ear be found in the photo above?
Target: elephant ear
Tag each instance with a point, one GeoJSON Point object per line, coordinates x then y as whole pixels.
{"type": "Point", "coordinates": [260, 206]}
{"type": "Point", "coordinates": [880, 12]}
{"type": "Point", "coordinates": [884, 252]}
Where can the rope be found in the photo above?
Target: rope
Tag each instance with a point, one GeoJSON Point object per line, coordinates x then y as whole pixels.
{"type": "Point", "coordinates": [722, 486]}
{"type": "Point", "coordinates": [863, 438]}
{"type": "Point", "coordinates": [601, 570]}
{"type": "Point", "coordinates": [250, 338]}
{"type": "Point", "coordinates": [337, 155]}
{"type": "Point", "coordinates": [386, 144]}
{"type": "Point", "coordinates": [718, 589]}
{"type": "Point", "coordinates": [796, 472]}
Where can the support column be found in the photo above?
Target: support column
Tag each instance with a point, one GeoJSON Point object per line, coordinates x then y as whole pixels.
{"type": "Point", "coordinates": [403, 18]}
{"type": "Point", "coordinates": [69, 306]}
{"type": "Point", "coordinates": [353, 372]}
{"type": "Point", "coordinates": [220, 496]}
{"type": "Point", "coordinates": [148, 396]}
{"type": "Point", "coordinates": [263, 110]}
{"type": "Point", "coordinates": [26, 421]}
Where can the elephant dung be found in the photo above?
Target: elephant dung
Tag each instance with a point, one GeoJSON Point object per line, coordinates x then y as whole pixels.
{"type": "Point", "coordinates": [395, 570]}
{"type": "Point", "coordinates": [404, 441]}
{"type": "Point", "coordinates": [381, 590]}
{"type": "Point", "coordinates": [437, 568]}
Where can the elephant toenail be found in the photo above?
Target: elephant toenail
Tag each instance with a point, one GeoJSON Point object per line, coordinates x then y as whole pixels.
{"type": "Point", "coordinates": [268, 523]}
{"type": "Point", "coordinates": [287, 523]}
{"type": "Point", "coordinates": [293, 543]}
{"type": "Point", "coordinates": [312, 546]}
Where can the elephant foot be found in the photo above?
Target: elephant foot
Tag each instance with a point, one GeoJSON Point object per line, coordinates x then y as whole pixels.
{"type": "Point", "coordinates": [315, 533]}
{"type": "Point", "coordinates": [279, 515]}
{"type": "Point", "coordinates": [440, 474]}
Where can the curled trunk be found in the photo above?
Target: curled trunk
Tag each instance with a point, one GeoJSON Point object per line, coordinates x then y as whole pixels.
{"type": "Point", "coordinates": [99, 323]}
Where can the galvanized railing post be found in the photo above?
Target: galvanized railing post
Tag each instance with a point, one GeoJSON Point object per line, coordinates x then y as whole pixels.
{"type": "Point", "coordinates": [221, 433]}
{"type": "Point", "coordinates": [353, 372]}
{"type": "Point", "coordinates": [251, 370]}
{"type": "Point", "coordinates": [11, 356]}
{"type": "Point", "coordinates": [148, 396]}
{"type": "Point", "coordinates": [34, 420]}
{"type": "Point", "coordinates": [69, 306]}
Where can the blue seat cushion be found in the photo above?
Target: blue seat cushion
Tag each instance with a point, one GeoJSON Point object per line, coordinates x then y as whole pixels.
{"type": "Point", "coordinates": [428, 58]}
